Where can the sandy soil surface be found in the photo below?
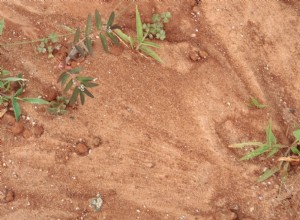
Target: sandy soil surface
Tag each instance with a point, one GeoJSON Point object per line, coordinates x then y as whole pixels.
{"type": "Point", "coordinates": [157, 135]}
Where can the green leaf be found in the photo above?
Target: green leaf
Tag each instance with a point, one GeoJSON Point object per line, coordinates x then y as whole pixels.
{"type": "Point", "coordinates": [16, 107]}
{"type": "Point", "coordinates": [256, 152]}
{"type": "Point", "coordinates": [87, 92]}
{"type": "Point", "coordinates": [89, 45]}
{"type": "Point", "coordinates": [98, 20]}
{"type": "Point", "coordinates": [110, 20]}
{"type": "Point", "coordinates": [89, 84]}
{"type": "Point", "coordinates": [13, 79]}
{"type": "Point", "coordinates": [19, 92]}
{"type": "Point", "coordinates": [88, 27]}
{"type": "Point", "coordinates": [241, 145]}
{"type": "Point", "coordinates": [268, 173]}
{"type": "Point", "coordinates": [104, 42]}
{"type": "Point", "coordinates": [1, 26]}
{"type": "Point", "coordinates": [53, 37]}
{"type": "Point", "coordinates": [150, 44]}
{"type": "Point", "coordinates": [74, 96]}
{"type": "Point", "coordinates": [271, 139]}
{"type": "Point", "coordinates": [1, 85]}
{"type": "Point", "coordinates": [82, 97]}
{"type": "Point", "coordinates": [254, 102]}
{"type": "Point", "coordinates": [150, 53]}
{"type": "Point", "coordinates": [139, 25]}
{"type": "Point", "coordinates": [296, 134]}
{"type": "Point", "coordinates": [124, 37]}
{"type": "Point", "coordinates": [5, 72]}
{"type": "Point", "coordinates": [75, 70]}
{"type": "Point", "coordinates": [76, 36]}
{"type": "Point", "coordinates": [37, 101]}
{"type": "Point", "coordinates": [68, 86]}
{"type": "Point", "coordinates": [113, 38]}
{"type": "Point", "coordinates": [274, 150]}
{"type": "Point", "coordinates": [84, 78]}
{"type": "Point", "coordinates": [63, 78]}
{"type": "Point", "coordinates": [295, 150]}
{"type": "Point", "coordinates": [67, 28]}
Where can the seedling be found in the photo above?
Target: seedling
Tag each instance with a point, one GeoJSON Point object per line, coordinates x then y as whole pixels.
{"type": "Point", "coordinates": [58, 106]}
{"type": "Point", "coordinates": [80, 85]}
{"type": "Point", "coordinates": [1, 25]}
{"type": "Point", "coordinates": [140, 43]}
{"type": "Point", "coordinates": [255, 103]}
{"type": "Point", "coordinates": [49, 44]}
{"type": "Point", "coordinates": [82, 44]}
{"type": "Point", "coordinates": [8, 96]}
{"type": "Point", "coordinates": [156, 28]}
{"type": "Point", "coordinates": [271, 148]}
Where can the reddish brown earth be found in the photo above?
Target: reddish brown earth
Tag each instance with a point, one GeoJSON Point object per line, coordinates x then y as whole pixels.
{"type": "Point", "coordinates": [154, 140]}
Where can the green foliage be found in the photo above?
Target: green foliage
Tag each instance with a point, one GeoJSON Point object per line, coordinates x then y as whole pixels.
{"type": "Point", "coordinates": [142, 45]}
{"type": "Point", "coordinates": [156, 28]}
{"type": "Point", "coordinates": [58, 106]}
{"type": "Point", "coordinates": [255, 103]}
{"type": "Point", "coordinates": [83, 44]}
{"type": "Point", "coordinates": [48, 45]}
{"type": "Point", "coordinates": [9, 95]}
{"type": "Point", "coordinates": [79, 84]}
{"type": "Point", "coordinates": [1, 25]}
{"type": "Point", "coordinates": [271, 147]}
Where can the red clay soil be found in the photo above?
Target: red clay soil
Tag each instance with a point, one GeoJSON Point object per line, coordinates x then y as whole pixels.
{"type": "Point", "coordinates": [154, 140]}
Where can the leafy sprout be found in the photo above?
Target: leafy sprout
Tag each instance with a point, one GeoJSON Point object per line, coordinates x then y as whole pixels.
{"type": "Point", "coordinates": [8, 95]}
{"type": "Point", "coordinates": [271, 148]}
{"type": "Point", "coordinates": [80, 84]}
{"type": "Point", "coordinates": [255, 103]}
{"type": "Point", "coordinates": [139, 43]}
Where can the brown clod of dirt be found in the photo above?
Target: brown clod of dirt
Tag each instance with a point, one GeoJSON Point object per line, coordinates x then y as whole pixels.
{"type": "Point", "coordinates": [50, 93]}
{"type": "Point", "coordinates": [17, 128]}
{"type": "Point", "coordinates": [96, 141]}
{"type": "Point", "coordinates": [27, 133]}
{"type": "Point", "coordinates": [81, 149]}
{"type": "Point", "coordinates": [7, 196]}
{"type": "Point", "coordinates": [8, 119]}
{"type": "Point", "coordinates": [38, 131]}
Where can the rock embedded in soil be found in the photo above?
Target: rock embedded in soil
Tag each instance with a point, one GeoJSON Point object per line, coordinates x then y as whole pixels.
{"type": "Point", "coordinates": [81, 149]}
{"type": "Point", "coordinates": [17, 128]}
{"type": "Point", "coordinates": [203, 54]}
{"type": "Point", "coordinates": [7, 196]}
{"type": "Point", "coordinates": [194, 55]}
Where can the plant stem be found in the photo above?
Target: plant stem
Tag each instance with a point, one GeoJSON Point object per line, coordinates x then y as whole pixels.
{"type": "Point", "coordinates": [32, 41]}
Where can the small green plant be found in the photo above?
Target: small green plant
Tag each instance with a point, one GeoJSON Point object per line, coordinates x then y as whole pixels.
{"type": "Point", "coordinates": [140, 43]}
{"type": "Point", "coordinates": [271, 148]}
{"type": "Point", "coordinates": [10, 95]}
{"type": "Point", "coordinates": [82, 44]}
{"type": "Point", "coordinates": [1, 25]}
{"type": "Point", "coordinates": [156, 28]}
{"type": "Point", "coordinates": [48, 45]}
{"type": "Point", "coordinates": [58, 106]}
{"type": "Point", "coordinates": [255, 103]}
{"type": "Point", "coordinates": [79, 84]}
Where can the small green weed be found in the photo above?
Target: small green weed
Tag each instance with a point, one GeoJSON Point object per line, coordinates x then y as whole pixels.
{"type": "Point", "coordinates": [156, 28]}
{"type": "Point", "coordinates": [255, 103]}
{"type": "Point", "coordinates": [11, 95]}
{"type": "Point", "coordinates": [140, 43]}
{"type": "Point", "coordinates": [271, 148]}
{"type": "Point", "coordinates": [49, 44]}
{"type": "Point", "coordinates": [1, 25]}
{"type": "Point", "coordinates": [80, 85]}
{"type": "Point", "coordinates": [58, 106]}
